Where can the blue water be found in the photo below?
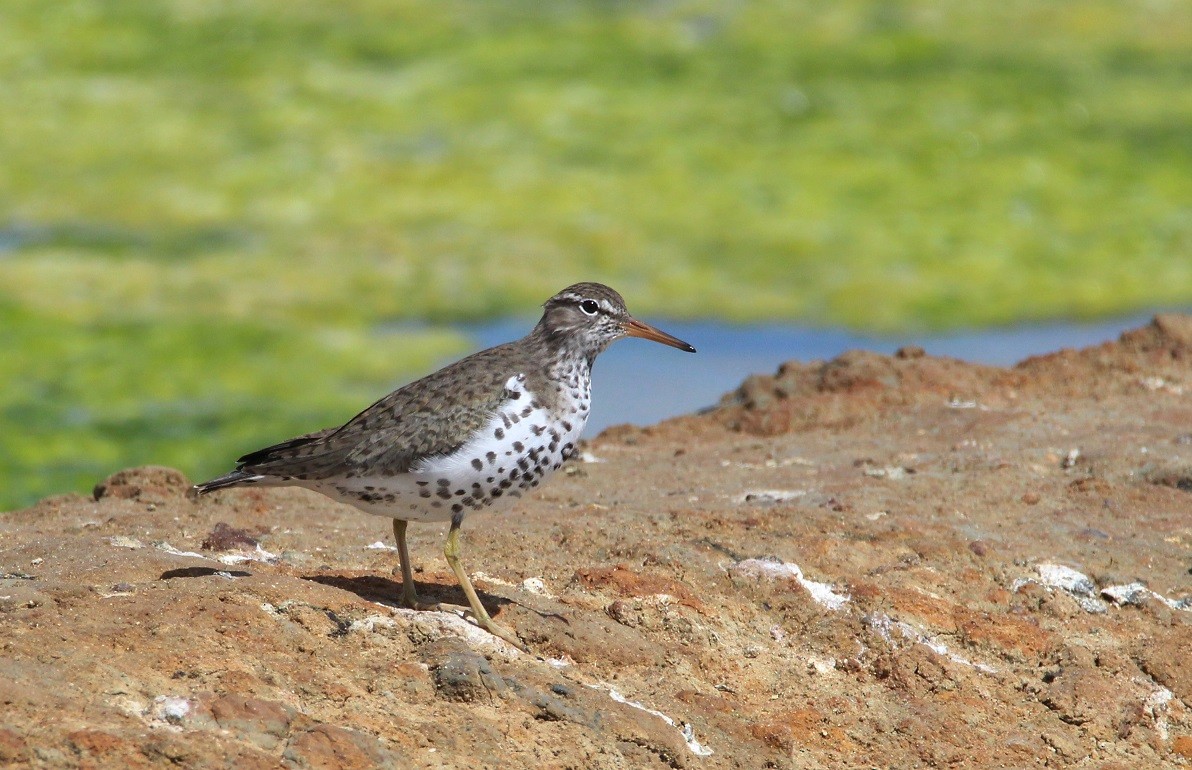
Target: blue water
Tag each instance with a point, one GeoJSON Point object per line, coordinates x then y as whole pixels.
{"type": "Point", "coordinates": [642, 382]}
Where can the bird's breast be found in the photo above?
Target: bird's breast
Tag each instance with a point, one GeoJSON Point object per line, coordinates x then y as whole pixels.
{"type": "Point", "coordinates": [524, 441]}
{"type": "Point", "coordinates": [527, 438]}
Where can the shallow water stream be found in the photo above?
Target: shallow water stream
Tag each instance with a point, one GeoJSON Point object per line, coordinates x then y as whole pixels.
{"type": "Point", "coordinates": [640, 382]}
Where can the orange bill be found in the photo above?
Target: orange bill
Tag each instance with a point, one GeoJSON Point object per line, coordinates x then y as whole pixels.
{"type": "Point", "coordinates": [635, 328]}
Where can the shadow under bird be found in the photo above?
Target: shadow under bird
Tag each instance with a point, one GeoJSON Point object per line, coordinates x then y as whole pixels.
{"type": "Point", "coordinates": [468, 437]}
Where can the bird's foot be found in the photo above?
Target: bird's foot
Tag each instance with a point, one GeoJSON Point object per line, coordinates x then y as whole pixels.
{"type": "Point", "coordinates": [410, 601]}
{"type": "Point", "coordinates": [485, 622]}
{"type": "Point", "coordinates": [458, 609]}
{"type": "Point", "coordinates": [496, 629]}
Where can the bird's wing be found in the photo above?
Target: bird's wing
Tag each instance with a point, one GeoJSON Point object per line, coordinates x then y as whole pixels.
{"type": "Point", "coordinates": [284, 450]}
{"type": "Point", "coordinates": [433, 416]}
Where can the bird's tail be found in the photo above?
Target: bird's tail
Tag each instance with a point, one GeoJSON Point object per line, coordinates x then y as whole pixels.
{"type": "Point", "coordinates": [233, 479]}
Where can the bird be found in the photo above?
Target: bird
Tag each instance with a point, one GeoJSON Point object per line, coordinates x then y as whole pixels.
{"type": "Point", "coordinates": [469, 437]}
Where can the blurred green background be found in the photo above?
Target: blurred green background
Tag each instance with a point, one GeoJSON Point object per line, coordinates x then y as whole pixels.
{"type": "Point", "coordinates": [222, 223]}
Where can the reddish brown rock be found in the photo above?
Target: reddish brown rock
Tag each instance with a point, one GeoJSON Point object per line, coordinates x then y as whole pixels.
{"type": "Point", "coordinates": [151, 483]}
{"type": "Point", "coordinates": [952, 648]}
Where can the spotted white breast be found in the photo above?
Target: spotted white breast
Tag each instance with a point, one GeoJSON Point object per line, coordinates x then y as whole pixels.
{"type": "Point", "coordinates": [519, 445]}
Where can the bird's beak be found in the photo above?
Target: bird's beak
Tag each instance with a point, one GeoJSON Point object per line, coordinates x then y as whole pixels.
{"type": "Point", "coordinates": [635, 328]}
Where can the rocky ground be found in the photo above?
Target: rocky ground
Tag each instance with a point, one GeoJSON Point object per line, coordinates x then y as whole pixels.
{"type": "Point", "coordinates": [871, 562]}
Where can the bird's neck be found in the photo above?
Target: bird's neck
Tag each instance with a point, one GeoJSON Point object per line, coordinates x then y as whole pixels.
{"type": "Point", "coordinates": [565, 351]}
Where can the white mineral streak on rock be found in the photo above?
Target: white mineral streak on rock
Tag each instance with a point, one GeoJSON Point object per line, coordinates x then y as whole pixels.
{"type": "Point", "coordinates": [771, 569]}
{"type": "Point", "coordinates": [1137, 593]}
{"type": "Point", "coordinates": [1156, 707]}
{"type": "Point", "coordinates": [686, 730]}
{"type": "Point", "coordinates": [770, 495]}
{"type": "Point", "coordinates": [257, 554]}
{"type": "Point", "coordinates": [1068, 580]}
{"type": "Point", "coordinates": [885, 627]}
{"type": "Point", "coordinates": [171, 708]}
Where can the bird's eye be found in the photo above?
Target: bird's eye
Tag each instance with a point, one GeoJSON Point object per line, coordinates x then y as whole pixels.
{"type": "Point", "coordinates": [589, 306]}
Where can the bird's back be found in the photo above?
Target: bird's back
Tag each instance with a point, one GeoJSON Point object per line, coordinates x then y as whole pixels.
{"type": "Point", "coordinates": [429, 417]}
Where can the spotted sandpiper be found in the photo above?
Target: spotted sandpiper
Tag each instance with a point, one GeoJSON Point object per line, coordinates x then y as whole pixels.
{"type": "Point", "coordinates": [466, 438]}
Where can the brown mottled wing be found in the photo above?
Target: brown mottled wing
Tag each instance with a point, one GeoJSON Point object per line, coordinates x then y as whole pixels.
{"type": "Point", "coordinates": [285, 450]}
{"type": "Point", "coordinates": [432, 416]}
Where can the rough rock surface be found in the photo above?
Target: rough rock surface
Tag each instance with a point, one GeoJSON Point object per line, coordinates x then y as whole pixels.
{"type": "Point", "coordinates": [870, 562]}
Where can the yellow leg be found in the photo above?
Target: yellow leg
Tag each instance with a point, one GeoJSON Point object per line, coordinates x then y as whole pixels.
{"type": "Point", "coordinates": [409, 595]}
{"type": "Point", "coordinates": [451, 552]}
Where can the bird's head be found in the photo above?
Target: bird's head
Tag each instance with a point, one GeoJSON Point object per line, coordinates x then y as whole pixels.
{"type": "Point", "coordinates": [590, 316]}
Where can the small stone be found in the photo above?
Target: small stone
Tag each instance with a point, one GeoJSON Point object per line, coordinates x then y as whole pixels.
{"type": "Point", "coordinates": [224, 537]}
{"type": "Point", "coordinates": [12, 747]}
{"type": "Point", "coordinates": [262, 723]}
{"type": "Point", "coordinates": [327, 746]}
{"type": "Point", "coordinates": [467, 677]}
{"type": "Point", "coordinates": [151, 483]}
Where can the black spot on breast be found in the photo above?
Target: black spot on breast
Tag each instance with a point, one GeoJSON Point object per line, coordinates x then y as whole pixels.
{"type": "Point", "coordinates": [460, 492]}
{"type": "Point", "coordinates": [444, 482]}
{"type": "Point", "coordinates": [527, 412]}
{"type": "Point", "coordinates": [518, 446]}
{"type": "Point", "coordinates": [514, 473]}
{"type": "Point", "coordinates": [424, 493]}
{"type": "Point", "coordinates": [498, 492]}
{"type": "Point", "coordinates": [514, 395]}
{"type": "Point", "coordinates": [556, 466]}
{"type": "Point", "coordinates": [368, 488]}
{"type": "Point", "coordinates": [554, 434]}
{"type": "Point", "coordinates": [423, 483]}
{"type": "Point", "coordinates": [537, 429]}
{"type": "Point", "coordinates": [467, 500]}
{"type": "Point", "coordinates": [491, 456]}
{"type": "Point", "coordinates": [444, 493]}
{"type": "Point", "coordinates": [505, 484]}
{"type": "Point", "coordinates": [524, 464]}
{"type": "Point", "coordinates": [514, 419]}
{"type": "Point", "coordinates": [489, 480]}
{"type": "Point", "coordinates": [498, 434]}
{"type": "Point", "coordinates": [477, 464]}
{"type": "Point", "coordinates": [457, 508]}
{"type": "Point", "coordinates": [435, 504]}
{"type": "Point", "coordinates": [567, 425]}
